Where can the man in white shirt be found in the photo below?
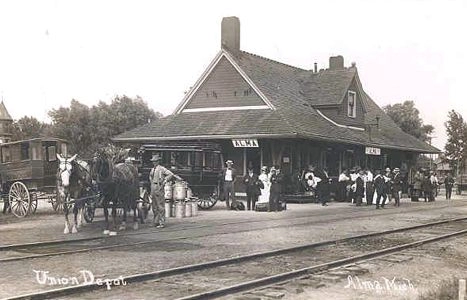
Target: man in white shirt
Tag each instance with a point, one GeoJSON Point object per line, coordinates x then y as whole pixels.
{"type": "Point", "coordinates": [369, 187]}
{"type": "Point", "coordinates": [158, 176]}
{"type": "Point", "coordinates": [228, 178]}
{"type": "Point", "coordinates": [342, 186]}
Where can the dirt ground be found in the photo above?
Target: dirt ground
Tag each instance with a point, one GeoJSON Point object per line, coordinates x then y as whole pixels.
{"type": "Point", "coordinates": [425, 269]}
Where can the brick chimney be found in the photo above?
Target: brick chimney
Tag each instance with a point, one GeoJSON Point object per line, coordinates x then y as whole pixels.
{"type": "Point", "coordinates": [336, 62]}
{"type": "Point", "coordinates": [230, 34]}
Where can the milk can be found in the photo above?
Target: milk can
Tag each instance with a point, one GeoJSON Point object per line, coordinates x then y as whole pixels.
{"type": "Point", "coordinates": [179, 209]}
{"type": "Point", "coordinates": [168, 191]}
{"type": "Point", "coordinates": [168, 208]}
{"type": "Point", "coordinates": [189, 193]}
{"type": "Point", "coordinates": [179, 191]}
{"type": "Point", "coordinates": [194, 208]}
{"type": "Point", "coordinates": [188, 209]}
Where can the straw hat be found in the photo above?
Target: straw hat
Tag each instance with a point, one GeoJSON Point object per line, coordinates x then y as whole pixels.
{"type": "Point", "coordinates": [156, 157]}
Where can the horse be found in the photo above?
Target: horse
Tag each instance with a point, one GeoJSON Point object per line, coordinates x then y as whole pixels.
{"type": "Point", "coordinates": [73, 178]}
{"type": "Point", "coordinates": [119, 184]}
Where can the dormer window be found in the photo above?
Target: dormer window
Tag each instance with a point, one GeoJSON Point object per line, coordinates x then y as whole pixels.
{"type": "Point", "coordinates": [351, 104]}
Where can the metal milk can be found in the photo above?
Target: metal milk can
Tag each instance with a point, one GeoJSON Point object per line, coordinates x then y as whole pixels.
{"type": "Point", "coordinates": [179, 191]}
{"type": "Point", "coordinates": [168, 191]}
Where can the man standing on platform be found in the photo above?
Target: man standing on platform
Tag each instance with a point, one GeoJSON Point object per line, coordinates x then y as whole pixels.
{"type": "Point", "coordinates": [253, 185]}
{"type": "Point", "coordinates": [369, 187]}
{"type": "Point", "coordinates": [359, 188]}
{"type": "Point", "coordinates": [342, 186]}
{"type": "Point", "coordinates": [379, 184]}
{"type": "Point", "coordinates": [448, 184]}
{"type": "Point", "coordinates": [158, 176]}
{"type": "Point", "coordinates": [387, 185]}
{"type": "Point", "coordinates": [276, 189]}
{"type": "Point", "coordinates": [396, 186]}
{"type": "Point", "coordinates": [228, 178]}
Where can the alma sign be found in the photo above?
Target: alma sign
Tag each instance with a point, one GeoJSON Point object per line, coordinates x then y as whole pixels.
{"type": "Point", "coordinates": [372, 151]}
{"type": "Point", "coordinates": [245, 143]}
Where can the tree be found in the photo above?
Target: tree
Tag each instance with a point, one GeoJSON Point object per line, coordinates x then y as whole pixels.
{"type": "Point", "coordinates": [456, 145]}
{"type": "Point", "coordinates": [88, 129]}
{"type": "Point", "coordinates": [407, 117]}
{"type": "Point", "coordinates": [28, 128]}
{"type": "Point", "coordinates": [74, 125]}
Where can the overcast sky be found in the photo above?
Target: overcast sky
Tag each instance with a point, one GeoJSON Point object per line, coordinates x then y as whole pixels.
{"type": "Point", "coordinates": [55, 51]}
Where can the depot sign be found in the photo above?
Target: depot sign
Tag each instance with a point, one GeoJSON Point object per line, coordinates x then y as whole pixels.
{"type": "Point", "coordinates": [245, 143]}
{"type": "Point", "coordinates": [372, 151]}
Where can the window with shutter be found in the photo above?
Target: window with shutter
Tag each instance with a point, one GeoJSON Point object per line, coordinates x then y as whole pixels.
{"type": "Point", "coordinates": [351, 104]}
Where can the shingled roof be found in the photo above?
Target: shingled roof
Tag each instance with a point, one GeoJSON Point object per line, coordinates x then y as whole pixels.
{"type": "Point", "coordinates": [296, 95]}
{"type": "Point", "coordinates": [4, 115]}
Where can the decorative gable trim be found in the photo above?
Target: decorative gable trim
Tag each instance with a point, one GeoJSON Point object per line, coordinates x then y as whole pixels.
{"type": "Point", "coordinates": [337, 124]}
{"type": "Point", "coordinates": [359, 91]}
{"type": "Point", "coordinates": [225, 108]}
{"type": "Point", "coordinates": [181, 107]}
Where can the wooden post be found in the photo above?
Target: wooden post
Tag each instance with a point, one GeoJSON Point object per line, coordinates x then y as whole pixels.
{"type": "Point", "coordinates": [261, 156]}
{"type": "Point", "coordinates": [244, 162]}
{"type": "Point", "coordinates": [461, 289]}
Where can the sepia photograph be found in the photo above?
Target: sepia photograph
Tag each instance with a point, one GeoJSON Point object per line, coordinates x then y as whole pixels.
{"type": "Point", "coordinates": [238, 150]}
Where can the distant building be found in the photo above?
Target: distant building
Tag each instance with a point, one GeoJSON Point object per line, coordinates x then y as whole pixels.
{"type": "Point", "coordinates": [5, 124]}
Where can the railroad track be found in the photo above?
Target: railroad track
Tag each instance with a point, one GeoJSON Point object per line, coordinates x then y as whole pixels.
{"type": "Point", "coordinates": [74, 246]}
{"type": "Point", "coordinates": [219, 278]}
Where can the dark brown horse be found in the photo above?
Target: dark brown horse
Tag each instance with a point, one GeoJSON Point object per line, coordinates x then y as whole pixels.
{"type": "Point", "coordinates": [119, 185]}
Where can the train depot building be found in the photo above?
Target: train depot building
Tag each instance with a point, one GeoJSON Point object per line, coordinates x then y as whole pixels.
{"type": "Point", "coordinates": [263, 112]}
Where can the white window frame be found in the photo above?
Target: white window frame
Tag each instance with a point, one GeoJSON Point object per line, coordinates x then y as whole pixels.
{"type": "Point", "coordinates": [351, 111]}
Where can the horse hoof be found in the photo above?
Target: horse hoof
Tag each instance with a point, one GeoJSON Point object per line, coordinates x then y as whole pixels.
{"type": "Point", "coordinates": [135, 226]}
{"type": "Point", "coordinates": [106, 231]}
{"type": "Point", "coordinates": [66, 231]}
{"type": "Point", "coordinates": [74, 230]}
{"type": "Point", "coordinates": [112, 233]}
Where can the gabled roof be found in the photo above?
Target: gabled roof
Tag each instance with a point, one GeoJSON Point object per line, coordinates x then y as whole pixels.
{"type": "Point", "coordinates": [4, 115]}
{"type": "Point", "coordinates": [327, 87]}
{"type": "Point", "coordinates": [294, 115]}
{"type": "Point", "coordinates": [222, 54]}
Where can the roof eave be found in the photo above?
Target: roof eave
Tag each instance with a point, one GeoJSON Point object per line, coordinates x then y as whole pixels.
{"type": "Point", "coordinates": [207, 137]}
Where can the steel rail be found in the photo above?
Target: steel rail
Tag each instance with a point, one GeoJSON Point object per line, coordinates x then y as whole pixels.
{"type": "Point", "coordinates": [59, 292]}
{"type": "Point", "coordinates": [97, 248]}
{"type": "Point", "coordinates": [260, 282]}
{"type": "Point", "coordinates": [77, 240]}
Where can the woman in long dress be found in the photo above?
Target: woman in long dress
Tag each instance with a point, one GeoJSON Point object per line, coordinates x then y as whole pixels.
{"type": "Point", "coordinates": [264, 197]}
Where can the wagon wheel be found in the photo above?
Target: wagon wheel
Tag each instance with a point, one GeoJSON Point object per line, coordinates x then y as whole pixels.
{"type": "Point", "coordinates": [33, 203]}
{"type": "Point", "coordinates": [207, 201]}
{"type": "Point", "coordinates": [90, 208]}
{"type": "Point", "coordinates": [57, 202]}
{"type": "Point", "coordinates": [20, 199]}
{"type": "Point", "coordinates": [144, 204]}
{"type": "Point", "coordinates": [89, 211]}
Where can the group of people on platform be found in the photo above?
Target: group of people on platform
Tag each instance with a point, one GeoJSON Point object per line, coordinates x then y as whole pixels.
{"type": "Point", "coordinates": [356, 185]}
{"type": "Point", "coordinates": [425, 185]}
{"type": "Point", "coordinates": [359, 184]}
{"type": "Point", "coordinates": [263, 188]}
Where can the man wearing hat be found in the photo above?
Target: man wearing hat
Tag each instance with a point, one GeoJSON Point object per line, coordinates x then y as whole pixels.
{"type": "Point", "coordinates": [158, 176]}
{"type": "Point", "coordinates": [396, 184]}
{"type": "Point", "coordinates": [359, 187]}
{"type": "Point", "coordinates": [379, 183]}
{"type": "Point", "coordinates": [387, 183]}
{"type": "Point", "coordinates": [253, 188]}
{"type": "Point", "coordinates": [228, 178]}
